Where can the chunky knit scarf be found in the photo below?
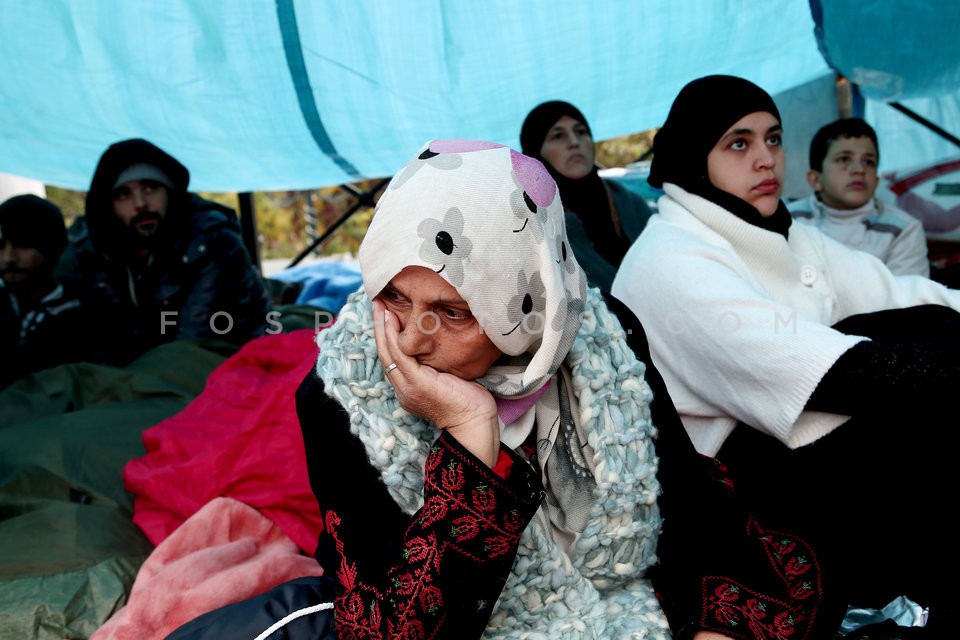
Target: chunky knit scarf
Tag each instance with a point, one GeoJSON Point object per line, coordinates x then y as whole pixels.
{"type": "Point", "coordinates": [599, 591]}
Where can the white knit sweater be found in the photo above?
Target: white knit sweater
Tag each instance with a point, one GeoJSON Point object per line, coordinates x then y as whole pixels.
{"type": "Point", "coordinates": [894, 236]}
{"type": "Point", "coordinates": [738, 318]}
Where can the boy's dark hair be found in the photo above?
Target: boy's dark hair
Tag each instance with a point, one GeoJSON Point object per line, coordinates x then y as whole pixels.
{"type": "Point", "coordinates": [842, 128]}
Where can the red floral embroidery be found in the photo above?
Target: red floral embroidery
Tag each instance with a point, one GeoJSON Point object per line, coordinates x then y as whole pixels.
{"type": "Point", "coordinates": [434, 512]}
{"type": "Point", "coordinates": [466, 528]}
{"type": "Point", "coordinates": [433, 460]}
{"type": "Point", "coordinates": [484, 499]}
{"type": "Point", "coordinates": [405, 584]}
{"type": "Point", "coordinates": [419, 548]}
{"type": "Point", "coordinates": [497, 546]}
{"type": "Point", "coordinates": [732, 609]}
{"type": "Point", "coordinates": [351, 606]}
{"type": "Point", "coordinates": [513, 522]}
{"type": "Point", "coordinates": [456, 520]}
{"type": "Point", "coordinates": [452, 477]}
{"type": "Point", "coordinates": [431, 599]}
{"type": "Point", "coordinates": [719, 472]}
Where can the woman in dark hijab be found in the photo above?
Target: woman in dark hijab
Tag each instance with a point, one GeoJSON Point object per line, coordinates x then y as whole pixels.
{"type": "Point", "coordinates": [602, 216]}
{"type": "Point", "coordinates": [814, 374]}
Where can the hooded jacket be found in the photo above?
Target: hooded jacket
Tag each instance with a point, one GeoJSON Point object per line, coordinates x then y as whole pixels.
{"type": "Point", "coordinates": [199, 280]}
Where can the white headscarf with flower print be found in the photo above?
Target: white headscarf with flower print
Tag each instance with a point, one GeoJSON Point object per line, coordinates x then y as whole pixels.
{"type": "Point", "coordinates": [489, 221]}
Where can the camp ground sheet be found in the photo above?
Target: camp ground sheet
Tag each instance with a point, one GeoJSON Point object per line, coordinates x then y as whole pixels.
{"type": "Point", "coordinates": [69, 547]}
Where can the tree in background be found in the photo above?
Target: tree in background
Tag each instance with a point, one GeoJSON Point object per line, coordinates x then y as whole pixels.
{"type": "Point", "coordinates": [288, 221]}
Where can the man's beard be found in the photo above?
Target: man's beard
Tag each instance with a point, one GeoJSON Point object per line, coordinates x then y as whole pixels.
{"type": "Point", "coordinates": [144, 237]}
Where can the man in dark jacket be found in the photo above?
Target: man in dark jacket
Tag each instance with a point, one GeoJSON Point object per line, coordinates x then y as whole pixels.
{"type": "Point", "coordinates": [162, 263]}
{"type": "Point", "coordinates": [42, 323]}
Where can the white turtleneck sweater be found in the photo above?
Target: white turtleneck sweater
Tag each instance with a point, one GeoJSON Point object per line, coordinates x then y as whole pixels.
{"type": "Point", "coordinates": [739, 318]}
{"type": "Point", "coordinates": [894, 236]}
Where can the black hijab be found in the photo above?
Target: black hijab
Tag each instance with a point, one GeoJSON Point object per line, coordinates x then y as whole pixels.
{"type": "Point", "coordinates": [587, 197]}
{"type": "Point", "coordinates": [701, 113]}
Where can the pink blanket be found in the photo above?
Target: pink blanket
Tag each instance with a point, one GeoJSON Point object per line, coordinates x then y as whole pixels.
{"type": "Point", "coordinates": [224, 553]}
{"type": "Point", "coordinates": [239, 438]}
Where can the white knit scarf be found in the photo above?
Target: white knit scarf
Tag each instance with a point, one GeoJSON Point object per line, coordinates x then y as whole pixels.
{"type": "Point", "coordinates": [599, 592]}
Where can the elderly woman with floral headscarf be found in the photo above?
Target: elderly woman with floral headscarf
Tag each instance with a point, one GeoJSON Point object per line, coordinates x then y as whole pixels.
{"type": "Point", "coordinates": [486, 437]}
{"type": "Point", "coordinates": [490, 447]}
{"type": "Point", "coordinates": [803, 365]}
{"type": "Point", "coordinates": [474, 324]}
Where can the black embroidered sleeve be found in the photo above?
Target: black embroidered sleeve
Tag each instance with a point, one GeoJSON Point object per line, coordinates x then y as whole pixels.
{"type": "Point", "coordinates": [436, 574]}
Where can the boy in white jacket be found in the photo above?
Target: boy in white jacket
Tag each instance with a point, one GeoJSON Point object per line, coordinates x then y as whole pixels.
{"type": "Point", "coordinates": [843, 174]}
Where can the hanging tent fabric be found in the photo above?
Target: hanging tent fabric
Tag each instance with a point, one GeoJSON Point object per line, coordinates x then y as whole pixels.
{"type": "Point", "coordinates": [898, 52]}
{"type": "Point", "coordinates": [292, 94]}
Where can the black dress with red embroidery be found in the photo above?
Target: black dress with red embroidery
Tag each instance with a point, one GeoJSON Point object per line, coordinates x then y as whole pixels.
{"type": "Point", "coordinates": [436, 574]}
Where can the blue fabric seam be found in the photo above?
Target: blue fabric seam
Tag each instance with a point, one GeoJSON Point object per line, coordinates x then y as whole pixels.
{"type": "Point", "coordinates": [290, 34]}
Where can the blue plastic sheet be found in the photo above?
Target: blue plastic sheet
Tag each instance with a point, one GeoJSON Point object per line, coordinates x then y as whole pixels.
{"type": "Point", "coordinates": [326, 284]}
{"type": "Point", "coordinates": [298, 94]}
{"type": "Point", "coordinates": [294, 94]}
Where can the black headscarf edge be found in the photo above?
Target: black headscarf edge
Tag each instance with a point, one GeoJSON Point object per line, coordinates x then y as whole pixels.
{"type": "Point", "coordinates": [701, 113]}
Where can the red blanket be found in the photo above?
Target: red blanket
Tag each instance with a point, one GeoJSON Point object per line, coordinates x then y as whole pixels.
{"type": "Point", "coordinates": [239, 438]}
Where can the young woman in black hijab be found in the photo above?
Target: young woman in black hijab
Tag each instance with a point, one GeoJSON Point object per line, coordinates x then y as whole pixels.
{"type": "Point", "coordinates": [821, 381]}
{"type": "Point", "coordinates": [603, 217]}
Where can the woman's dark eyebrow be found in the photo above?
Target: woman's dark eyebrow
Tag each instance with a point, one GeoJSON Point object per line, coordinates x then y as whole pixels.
{"type": "Point", "coordinates": [737, 132]}
{"type": "Point", "coordinates": [747, 130]}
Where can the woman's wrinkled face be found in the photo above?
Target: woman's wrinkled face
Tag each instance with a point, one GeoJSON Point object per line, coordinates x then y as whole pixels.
{"type": "Point", "coordinates": [568, 148]}
{"type": "Point", "coordinates": [436, 325]}
{"type": "Point", "coordinates": [748, 161]}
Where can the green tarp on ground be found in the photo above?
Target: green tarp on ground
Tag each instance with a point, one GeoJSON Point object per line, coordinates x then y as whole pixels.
{"type": "Point", "coordinates": [69, 551]}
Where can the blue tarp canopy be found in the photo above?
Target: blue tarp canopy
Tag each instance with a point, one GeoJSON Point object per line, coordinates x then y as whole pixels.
{"type": "Point", "coordinates": [297, 94]}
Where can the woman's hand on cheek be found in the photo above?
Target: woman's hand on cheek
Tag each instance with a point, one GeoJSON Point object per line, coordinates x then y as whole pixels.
{"type": "Point", "coordinates": [462, 407]}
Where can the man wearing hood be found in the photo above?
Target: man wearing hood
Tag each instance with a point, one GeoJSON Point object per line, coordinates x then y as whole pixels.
{"type": "Point", "coordinates": [162, 263]}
